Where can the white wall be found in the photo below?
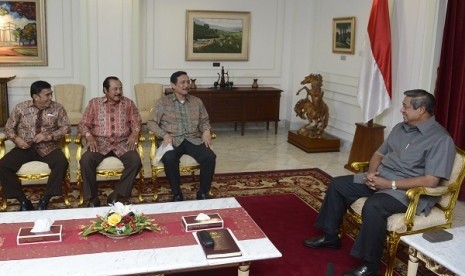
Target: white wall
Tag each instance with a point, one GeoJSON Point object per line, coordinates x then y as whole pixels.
{"type": "Point", "coordinates": [271, 21]}
{"type": "Point", "coordinates": [87, 41]}
{"type": "Point", "coordinates": [62, 24]}
{"type": "Point", "coordinates": [340, 77]}
{"type": "Point", "coordinates": [416, 28]}
{"type": "Point", "coordinates": [143, 41]}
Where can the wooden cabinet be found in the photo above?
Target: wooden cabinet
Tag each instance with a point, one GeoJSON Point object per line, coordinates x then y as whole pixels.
{"type": "Point", "coordinates": [240, 104]}
{"type": "Point", "coordinates": [4, 100]}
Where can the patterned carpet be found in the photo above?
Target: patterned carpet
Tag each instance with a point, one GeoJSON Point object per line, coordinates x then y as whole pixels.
{"type": "Point", "coordinates": [309, 184]}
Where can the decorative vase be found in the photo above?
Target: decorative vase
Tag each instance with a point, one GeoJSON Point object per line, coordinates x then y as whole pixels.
{"type": "Point", "coordinates": [255, 83]}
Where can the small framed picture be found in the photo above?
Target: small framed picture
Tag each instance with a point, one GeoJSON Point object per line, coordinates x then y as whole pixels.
{"type": "Point", "coordinates": [344, 35]}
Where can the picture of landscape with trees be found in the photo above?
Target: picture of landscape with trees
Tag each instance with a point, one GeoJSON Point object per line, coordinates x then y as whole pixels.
{"type": "Point", "coordinates": [18, 29]}
{"type": "Point", "coordinates": [23, 39]}
{"type": "Point", "coordinates": [216, 35]}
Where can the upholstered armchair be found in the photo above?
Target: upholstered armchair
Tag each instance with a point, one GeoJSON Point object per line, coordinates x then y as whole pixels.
{"type": "Point", "coordinates": [71, 96]}
{"type": "Point", "coordinates": [409, 223]}
{"type": "Point", "coordinates": [187, 164]}
{"type": "Point", "coordinates": [110, 167]}
{"type": "Point", "coordinates": [36, 170]}
{"type": "Point", "coordinates": [146, 95]}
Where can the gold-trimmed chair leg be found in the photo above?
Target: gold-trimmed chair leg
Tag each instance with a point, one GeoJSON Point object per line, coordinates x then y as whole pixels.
{"type": "Point", "coordinates": [66, 187]}
{"type": "Point", "coordinates": [80, 188]}
{"type": "Point", "coordinates": [392, 243]}
{"type": "Point", "coordinates": [4, 202]}
{"type": "Point", "coordinates": [141, 184]}
{"type": "Point", "coordinates": [155, 184]}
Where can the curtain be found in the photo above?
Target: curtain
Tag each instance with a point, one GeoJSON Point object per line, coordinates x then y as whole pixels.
{"type": "Point", "coordinates": [450, 86]}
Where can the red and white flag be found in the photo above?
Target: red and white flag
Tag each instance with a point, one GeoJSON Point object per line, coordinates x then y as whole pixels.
{"type": "Point", "coordinates": [374, 87]}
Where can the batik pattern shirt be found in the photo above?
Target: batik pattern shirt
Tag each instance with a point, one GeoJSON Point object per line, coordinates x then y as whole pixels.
{"type": "Point", "coordinates": [186, 120]}
{"type": "Point", "coordinates": [24, 123]}
{"type": "Point", "coordinates": [111, 123]}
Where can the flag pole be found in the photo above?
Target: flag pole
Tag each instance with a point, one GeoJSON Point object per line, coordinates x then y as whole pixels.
{"type": "Point", "coordinates": [375, 85]}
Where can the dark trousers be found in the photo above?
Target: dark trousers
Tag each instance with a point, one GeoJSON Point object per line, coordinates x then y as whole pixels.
{"type": "Point", "coordinates": [89, 163]}
{"type": "Point", "coordinates": [341, 193]}
{"type": "Point", "coordinates": [202, 154]}
{"type": "Point", "coordinates": [14, 159]}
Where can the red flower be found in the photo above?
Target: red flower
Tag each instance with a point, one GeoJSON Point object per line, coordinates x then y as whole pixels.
{"type": "Point", "coordinates": [127, 219]}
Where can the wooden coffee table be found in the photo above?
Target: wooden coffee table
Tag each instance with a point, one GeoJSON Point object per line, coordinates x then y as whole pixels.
{"type": "Point", "coordinates": [153, 260]}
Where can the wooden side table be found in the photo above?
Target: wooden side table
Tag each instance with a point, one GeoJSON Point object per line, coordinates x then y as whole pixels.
{"type": "Point", "coordinates": [367, 140]}
{"type": "Point", "coordinates": [4, 100]}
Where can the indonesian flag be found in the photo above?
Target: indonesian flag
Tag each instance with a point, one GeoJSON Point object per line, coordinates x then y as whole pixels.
{"type": "Point", "coordinates": [374, 89]}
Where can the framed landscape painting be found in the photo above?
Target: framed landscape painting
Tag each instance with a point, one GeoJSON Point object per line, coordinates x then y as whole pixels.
{"type": "Point", "coordinates": [344, 35]}
{"type": "Point", "coordinates": [217, 35]}
{"type": "Point", "coordinates": [22, 33]}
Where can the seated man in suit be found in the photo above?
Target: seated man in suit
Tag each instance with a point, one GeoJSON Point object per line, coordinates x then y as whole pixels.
{"type": "Point", "coordinates": [35, 126]}
{"type": "Point", "coordinates": [111, 125]}
{"type": "Point", "coordinates": [181, 120]}
{"type": "Point", "coordinates": [418, 152]}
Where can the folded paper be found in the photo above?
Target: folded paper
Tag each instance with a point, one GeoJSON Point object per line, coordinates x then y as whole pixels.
{"type": "Point", "coordinates": [161, 150]}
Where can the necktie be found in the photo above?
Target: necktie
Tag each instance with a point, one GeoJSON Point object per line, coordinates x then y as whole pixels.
{"type": "Point", "coordinates": [39, 121]}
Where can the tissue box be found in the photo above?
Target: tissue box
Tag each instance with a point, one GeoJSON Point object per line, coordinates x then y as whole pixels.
{"type": "Point", "coordinates": [25, 236]}
{"type": "Point", "coordinates": [190, 224]}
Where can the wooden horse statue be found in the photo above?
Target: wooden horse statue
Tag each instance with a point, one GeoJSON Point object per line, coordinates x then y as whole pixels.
{"type": "Point", "coordinates": [312, 108]}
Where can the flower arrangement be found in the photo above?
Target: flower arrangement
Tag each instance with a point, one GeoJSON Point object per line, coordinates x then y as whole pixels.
{"type": "Point", "coordinates": [120, 221]}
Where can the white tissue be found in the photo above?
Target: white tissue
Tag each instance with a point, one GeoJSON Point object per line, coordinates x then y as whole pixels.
{"type": "Point", "coordinates": [42, 225]}
{"type": "Point", "coordinates": [201, 217]}
{"type": "Point", "coordinates": [161, 151]}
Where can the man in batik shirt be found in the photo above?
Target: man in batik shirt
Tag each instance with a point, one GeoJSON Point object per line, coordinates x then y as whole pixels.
{"type": "Point", "coordinates": [111, 126]}
{"type": "Point", "coordinates": [35, 127]}
{"type": "Point", "coordinates": [182, 121]}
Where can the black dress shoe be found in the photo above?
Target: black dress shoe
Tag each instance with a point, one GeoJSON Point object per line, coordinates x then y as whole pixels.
{"type": "Point", "coordinates": [362, 270]}
{"type": "Point", "coordinates": [42, 205]}
{"type": "Point", "coordinates": [112, 198]}
{"type": "Point", "coordinates": [93, 202]}
{"type": "Point", "coordinates": [320, 242]}
{"type": "Point", "coordinates": [201, 196]}
{"type": "Point", "coordinates": [26, 205]}
{"type": "Point", "coordinates": [177, 198]}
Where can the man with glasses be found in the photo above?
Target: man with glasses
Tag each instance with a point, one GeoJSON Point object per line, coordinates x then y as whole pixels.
{"type": "Point", "coordinates": [35, 127]}
{"type": "Point", "coordinates": [182, 121]}
{"type": "Point", "coordinates": [418, 152]}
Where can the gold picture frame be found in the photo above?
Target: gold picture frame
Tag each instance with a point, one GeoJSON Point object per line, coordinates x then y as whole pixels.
{"type": "Point", "coordinates": [344, 35]}
{"type": "Point", "coordinates": [217, 35]}
{"type": "Point", "coordinates": [23, 40]}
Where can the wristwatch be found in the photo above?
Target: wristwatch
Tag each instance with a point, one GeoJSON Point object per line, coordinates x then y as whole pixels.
{"type": "Point", "coordinates": [393, 185]}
